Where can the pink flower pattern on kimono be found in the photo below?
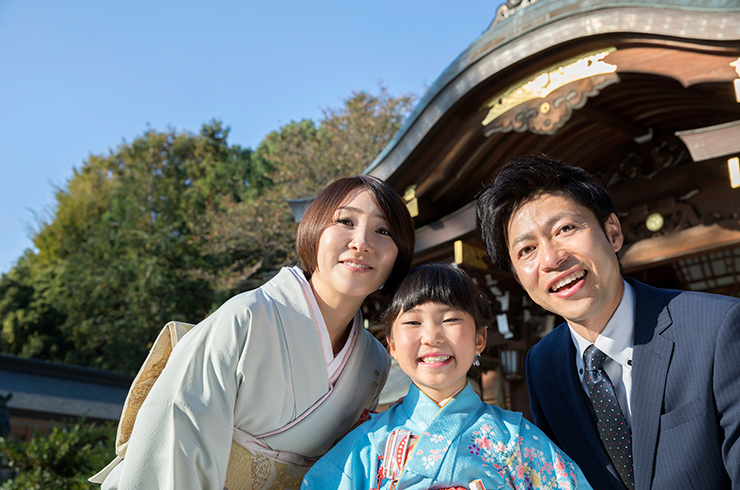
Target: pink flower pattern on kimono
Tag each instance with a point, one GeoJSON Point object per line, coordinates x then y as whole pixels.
{"type": "Point", "coordinates": [484, 443]}
{"type": "Point", "coordinates": [432, 457]}
{"type": "Point", "coordinates": [434, 454]}
{"type": "Point", "coordinates": [530, 453]}
{"type": "Point", "coordinates": [523, 467]}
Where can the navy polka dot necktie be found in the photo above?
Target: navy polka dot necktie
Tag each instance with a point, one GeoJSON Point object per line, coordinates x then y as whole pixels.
{"type": "Point", "coordinates": [613, 429]}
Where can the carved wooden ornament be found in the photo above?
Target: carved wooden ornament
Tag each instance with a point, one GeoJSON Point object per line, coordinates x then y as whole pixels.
{"type": "Point", "coordinates": [544, 103]}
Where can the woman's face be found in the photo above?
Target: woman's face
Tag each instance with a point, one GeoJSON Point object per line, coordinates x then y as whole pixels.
{"type": "Point", "coordinates": [356, 252]}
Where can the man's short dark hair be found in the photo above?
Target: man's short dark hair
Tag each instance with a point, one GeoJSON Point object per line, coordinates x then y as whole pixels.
{"type": "Point", "coordinates": [525, 178]}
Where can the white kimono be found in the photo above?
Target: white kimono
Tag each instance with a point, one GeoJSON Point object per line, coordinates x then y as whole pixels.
{"type": "Point", "coordinates": [257, 365]}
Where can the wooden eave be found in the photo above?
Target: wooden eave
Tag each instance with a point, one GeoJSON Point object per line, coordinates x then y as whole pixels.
{"type": "Point", "coordinates": [674, 74]}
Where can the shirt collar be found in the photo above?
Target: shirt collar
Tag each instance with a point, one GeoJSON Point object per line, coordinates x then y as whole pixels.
{"type": "Point", "coordinates": [617, 338]}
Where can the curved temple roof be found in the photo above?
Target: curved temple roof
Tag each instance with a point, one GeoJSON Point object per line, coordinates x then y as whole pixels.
{"type": "Point", "coordinates": [639, 92]}
{"type": "Point", "coordinates": [525, 28]}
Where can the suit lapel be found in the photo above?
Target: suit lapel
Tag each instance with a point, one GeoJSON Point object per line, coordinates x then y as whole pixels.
{"type": "Point", "coordinates": [650, 361]}
{"type": "Point", "coordinates": [564, 359]}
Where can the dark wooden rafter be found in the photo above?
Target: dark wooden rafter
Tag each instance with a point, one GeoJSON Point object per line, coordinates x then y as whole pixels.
{"type": "Point", "coordinates": [463, 135]}
{"type": "Point", "coordinates": [463, 171]}
{"type": "Point", "coordinates": [612, 121]}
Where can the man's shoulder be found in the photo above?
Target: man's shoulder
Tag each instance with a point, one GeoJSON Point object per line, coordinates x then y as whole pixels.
{"type": "Point", "coordinates": [679, 298]}
{"type": "Point", "coordinates": [541, 354]}
{"type": "Point", "coordinates": [554, 339]}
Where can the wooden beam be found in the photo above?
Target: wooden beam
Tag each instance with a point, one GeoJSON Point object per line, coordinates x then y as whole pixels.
{"type": "Point", "coordinates": [687, 67]}
{"type": "Point", "coordinates": [446, 229]}
{"type": "Point", "coordinates": [652, 252]}
{"type": "Point", "coordinates": [626, 127]}
{"type": "Point", "coordinates": [712, 142]}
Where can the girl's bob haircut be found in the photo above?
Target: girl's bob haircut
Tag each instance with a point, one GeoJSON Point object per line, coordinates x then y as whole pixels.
{"type": "Point", "coordinates": [322, 212]}
{"type": "Point", "coordinates": [439, 283]}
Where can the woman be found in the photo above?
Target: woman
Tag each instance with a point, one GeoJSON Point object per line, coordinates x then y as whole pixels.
{"type": "Point", "coordinates": [284, 370]}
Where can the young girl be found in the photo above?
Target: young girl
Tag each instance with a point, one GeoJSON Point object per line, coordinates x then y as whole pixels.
{"type": "Point", "coordinates": [442, 435]}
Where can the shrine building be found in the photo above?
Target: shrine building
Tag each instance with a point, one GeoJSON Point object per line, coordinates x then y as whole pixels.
{"type": "Point", "coordinates": [643, 93]}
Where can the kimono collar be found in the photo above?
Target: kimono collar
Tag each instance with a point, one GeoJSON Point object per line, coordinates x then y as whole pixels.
{"type": "Point", "coordinates": [438, 427]}
{"type": "Point", "coordinates": [333, 363]}
{"type": "Point", "coordinates": [422, 410]}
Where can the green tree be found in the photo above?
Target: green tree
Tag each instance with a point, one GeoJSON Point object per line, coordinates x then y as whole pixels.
{"type": "Point", "coordinates": [250, 240]}
{"type": "Point", "coordinates": [63, 460]}
{"type": "Point", "coordinates": [169, 225]}
{"type": "Point", "coordinates": [254, 238]}
{"type": "Point", "coordinates": [306, 157]}
{"type": "Point", "coordinates": [28, 313]}
{"type": "Point", "coordinates": [116, 259]}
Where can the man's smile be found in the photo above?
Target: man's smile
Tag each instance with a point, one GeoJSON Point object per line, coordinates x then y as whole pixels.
{"type": "Point", "coordinates": [568, 281]}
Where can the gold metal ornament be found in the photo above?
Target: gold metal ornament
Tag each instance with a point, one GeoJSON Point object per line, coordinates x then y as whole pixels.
{"type": "Point", "coordinates": [654, 222]}
{"type": "Point", "coordinates": [552, 78]}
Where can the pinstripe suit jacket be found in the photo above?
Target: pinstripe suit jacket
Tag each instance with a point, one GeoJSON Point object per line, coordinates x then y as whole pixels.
{"type": "Point", "coordinates": [685, 394]}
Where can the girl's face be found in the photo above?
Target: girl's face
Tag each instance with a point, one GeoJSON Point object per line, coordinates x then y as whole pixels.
{"type": "Point", "coordinates": [435, 344]}
{"type": "Point", "coordinates": [356, 252]}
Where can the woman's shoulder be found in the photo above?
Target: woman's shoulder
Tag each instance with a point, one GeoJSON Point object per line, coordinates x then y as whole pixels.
{"type": "Point", "coordinates": [371, 346]}
{"type": "Point", "coordinates": [373, 432]}
{"type": "Point", "coordinates": [281, 291]}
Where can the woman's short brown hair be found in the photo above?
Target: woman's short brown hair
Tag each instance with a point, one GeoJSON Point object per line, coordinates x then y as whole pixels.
{"type": "Point", "coordinates": [322, 212]}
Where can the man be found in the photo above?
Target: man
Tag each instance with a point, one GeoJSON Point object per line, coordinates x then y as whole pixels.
{"type": "Point", "coordinates": [640, 386]}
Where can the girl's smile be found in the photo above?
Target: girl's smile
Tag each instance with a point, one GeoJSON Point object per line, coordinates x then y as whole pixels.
{"type": "Point", "coordinates": [435, 344]}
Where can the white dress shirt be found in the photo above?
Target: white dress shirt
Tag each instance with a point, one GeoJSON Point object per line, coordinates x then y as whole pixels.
{"type": "Point", "coordinates": [616, 341]}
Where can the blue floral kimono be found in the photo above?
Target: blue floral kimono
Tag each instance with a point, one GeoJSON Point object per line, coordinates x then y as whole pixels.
{"type": "Point", "coordinates": [417, 445]}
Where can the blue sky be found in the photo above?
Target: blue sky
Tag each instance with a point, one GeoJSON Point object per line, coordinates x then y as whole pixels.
{"type": "Point", "coordinates": [80, 77]}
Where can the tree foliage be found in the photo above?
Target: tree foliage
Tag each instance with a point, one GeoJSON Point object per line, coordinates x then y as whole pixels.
{"type": "Point", "coordinates": [306, 157]}
{"type": "Point", "coordinates": [112, 263]}
{"type": "Point", "coordinates": [301, 158]}
{"type": "Point", "coordinates": [169, 225]}
{"type": "Point", "coordinates": [64, 459]}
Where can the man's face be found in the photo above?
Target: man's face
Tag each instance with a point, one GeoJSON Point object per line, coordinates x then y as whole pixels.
{"type": "Point", "coordinates": [564, 260]}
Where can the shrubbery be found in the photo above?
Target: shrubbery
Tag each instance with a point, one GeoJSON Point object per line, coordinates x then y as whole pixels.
{"type": "Point", "coordinates": [63, 460]}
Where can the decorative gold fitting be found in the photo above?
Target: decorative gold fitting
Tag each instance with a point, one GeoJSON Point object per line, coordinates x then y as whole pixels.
{"type": "Point", "coordinates": [412, 204]}
{"type": "Point", "coordinates": [551, 79]}
{"type": "Point", "coordinates": [654, 222]}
